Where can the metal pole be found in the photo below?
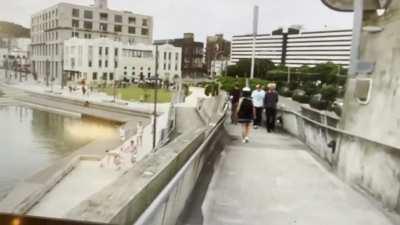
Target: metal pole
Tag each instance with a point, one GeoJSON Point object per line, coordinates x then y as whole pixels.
{"type": "Point", "coordinates": [255, 28]}
{"type": "Point", "coordinates": [357, 28]}
{"type": "Point", "coordinates": [288, 79]}
{"type": "Point", "coordinates": [7, 58]}
{"type": "Point", "coordinates": [155, 101]}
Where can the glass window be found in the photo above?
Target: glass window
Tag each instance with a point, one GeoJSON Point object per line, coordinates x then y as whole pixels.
{"type": "Point", "coordinates": [118, 18]}
{"type": "Point", "coordinates": [104, 77]}
{"type": "Point", "coordinates": [103, 16]}
{"type": "Point", "coordinates": [132, 30]}
{"type": "Point", "coordinates": [106, 50]}
{"type": "Point", "coordinates": [132, 20]}
{"type": "Point", "coordinates": [117, 28]}
{"type": "Point", "coordinates": [75, 12]}
{"type": "Point", "coordinates": [144, 22]}
{"type": "Point", "coordinates": [111, 76]}
{"type": "Point", "coordinates": [100, 50]}
{"type": "Point", "coordinates": [169, 55]}
{"type": "Point", "coordinates": [106, 63]}
{"type": "Point", "coordinates": [115, 64]}
{"type": "Point", "coordinates": [75, 23]}
{"type": "Point", "coordinates": [176, 56]}
{"type": "Point", "coordinates": [88, 14]}
{"type": "Point", "coordinates": [165, 66]}
{"type": "Point", "coordinates": [145, 31]}
{"type": "Point", "coordinates": [90, 63]}
{"type": "Point", "coordinates": [88, 25]}
{"type": "Point", "coordinates": [103, 27]}
{"type": "Point", "coordinates": [116, 51]}
{"type": "Point", "coordinates": [100, 63]}
{"type": "Point", "coordinates": [165, 56]}
{"type": "Point", "coordinates": [94, 76]}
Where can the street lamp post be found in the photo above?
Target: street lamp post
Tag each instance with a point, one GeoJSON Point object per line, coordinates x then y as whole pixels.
{"type": "Point", "coordinates": [155, 100]}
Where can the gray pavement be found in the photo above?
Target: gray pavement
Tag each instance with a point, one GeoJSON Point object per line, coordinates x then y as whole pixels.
{"type": "Point", "coordinates": [275, 180]}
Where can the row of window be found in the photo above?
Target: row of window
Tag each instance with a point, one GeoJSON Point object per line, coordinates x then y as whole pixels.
{"type": "Point", "coordinates": [45, 26]}
{"type": "Point", "coordinates": [45, 37]}
{"type": "Point", "coordinates": [45, 50]}
{"type": "Point", "coordinates": [169, 66]}
{"type": "Point", "coordinates": [87, 14]}
{"type": "Point", "coordinates": [105, 76]}
{"type": "Point", "coordinates": [88, 25]}
{"type": "Point", "coordinates": [169, 54]}
{"type": "Point", "coordinates": [45, 16]}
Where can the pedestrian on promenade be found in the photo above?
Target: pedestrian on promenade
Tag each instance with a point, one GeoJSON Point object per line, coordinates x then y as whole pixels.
{"type": "Point", "coordinates": [133, 150]}
{"type": "Point", "coordinates": [246, 113]}
{"type": "Point", "coordinates": [139, 133]}
{"type": "Point", "coordinates": [234, 97]}
{"type": "Point", "coordinates": [122, 133]}
{"type": "Point", "coordinates": [258, 102]}
{"type": "Point", "coordinates": [270, 102]}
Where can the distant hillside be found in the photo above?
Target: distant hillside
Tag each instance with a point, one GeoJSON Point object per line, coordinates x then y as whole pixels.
{"type": "Point", "coordinates": [8, 29]}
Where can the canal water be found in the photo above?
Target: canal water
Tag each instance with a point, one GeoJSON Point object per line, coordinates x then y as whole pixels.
{"type": "Point", "coordinates": [31, 140]}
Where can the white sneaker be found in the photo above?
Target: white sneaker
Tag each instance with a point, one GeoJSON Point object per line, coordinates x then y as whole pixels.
{"type": "Point", "coordinates": [246, 139]}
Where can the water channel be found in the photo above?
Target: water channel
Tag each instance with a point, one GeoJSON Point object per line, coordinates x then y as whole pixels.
{"type": "Point", "coordinates": [31, 140]}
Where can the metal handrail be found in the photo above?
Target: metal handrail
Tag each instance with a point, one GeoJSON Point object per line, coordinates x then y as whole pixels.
{"type": "Point", "coordinates": [340, 131]}
{"type": "Point", "coordinates": [164, 194]}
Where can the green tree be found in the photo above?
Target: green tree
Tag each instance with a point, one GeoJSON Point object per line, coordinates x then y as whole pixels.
{"type": "Point", "coordinates": [242, 68]}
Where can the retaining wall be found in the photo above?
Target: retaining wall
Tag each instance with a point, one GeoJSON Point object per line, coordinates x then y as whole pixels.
{"type": "Point", "coordinates": [366, 164]}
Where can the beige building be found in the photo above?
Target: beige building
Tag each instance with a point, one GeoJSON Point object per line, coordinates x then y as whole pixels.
{"type": "Point", "coordinates": [52, 26]}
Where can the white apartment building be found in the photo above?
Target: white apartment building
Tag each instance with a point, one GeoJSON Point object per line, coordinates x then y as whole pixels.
{"type": "Point", "coordinates": [52, 26]}
{"type": "Point", "coordinates": [305, 48]}
{"type": "Point", "coordinates": [169, 62]}
{"type": "Point", "coordinates": [106, 60]}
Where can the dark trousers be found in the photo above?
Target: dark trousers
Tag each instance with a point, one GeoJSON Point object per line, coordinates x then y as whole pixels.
{"type": "Point", "coordinates": [257, 120]}
{"type": "Point", "coordinates": [233, 113]}
{"type": "Point", "coordinates": [270, 118]}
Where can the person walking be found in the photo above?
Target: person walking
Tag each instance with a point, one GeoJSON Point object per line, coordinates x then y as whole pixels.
{"type": "Point", "coordinates": [139, 133]}
{"type": "Point", "coordinates": [234, 97]}
{"type": "Point", "coordinates": [258, 96]}
{"type": "Point", "coordinates": [245, 113]}
{"type": "Point", "coordinates": [270, 102]}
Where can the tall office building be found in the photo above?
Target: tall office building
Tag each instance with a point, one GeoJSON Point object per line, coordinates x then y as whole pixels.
{"type": "Point", "coordinates": [52, 26]}
{"type": "Point", "coordinates": [296, 48]}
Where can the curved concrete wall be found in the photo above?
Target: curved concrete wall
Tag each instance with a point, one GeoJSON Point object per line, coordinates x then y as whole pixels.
{"type": "Point", "coordinates": [365, 164]}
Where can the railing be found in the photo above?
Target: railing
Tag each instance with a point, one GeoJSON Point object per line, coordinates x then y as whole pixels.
{"type": "Point", "coordinates": [364, 163]}
{"type": "Point", "coordinates": [169, 204]}
{"type": "Point", "coordinates": [171, 123]}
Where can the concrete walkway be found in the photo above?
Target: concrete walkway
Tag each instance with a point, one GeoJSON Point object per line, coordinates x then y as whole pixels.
{"type": "Point", "coordinates": [275, 180]}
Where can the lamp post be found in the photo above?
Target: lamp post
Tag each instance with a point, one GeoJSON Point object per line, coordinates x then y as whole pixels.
{"type": "Point", "coordinates": [155, 100]}
{"type": "Point", "coordinates": [255, 31]}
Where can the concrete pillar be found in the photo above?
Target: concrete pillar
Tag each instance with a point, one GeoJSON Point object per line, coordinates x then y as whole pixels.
{"type": "Point", "coordinates": [379, 119]}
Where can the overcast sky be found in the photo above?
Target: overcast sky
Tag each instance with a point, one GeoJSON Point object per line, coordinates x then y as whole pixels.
{"type": "Point", "coordinates": [203, 17]}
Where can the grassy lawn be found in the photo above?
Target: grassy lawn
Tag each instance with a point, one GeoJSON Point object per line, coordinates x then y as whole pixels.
{"type": "Point", "coordinates": [134, 93]}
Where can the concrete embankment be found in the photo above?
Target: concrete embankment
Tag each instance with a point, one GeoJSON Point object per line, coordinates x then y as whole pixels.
{"type": "Point", "coordinates": [32, 190]}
